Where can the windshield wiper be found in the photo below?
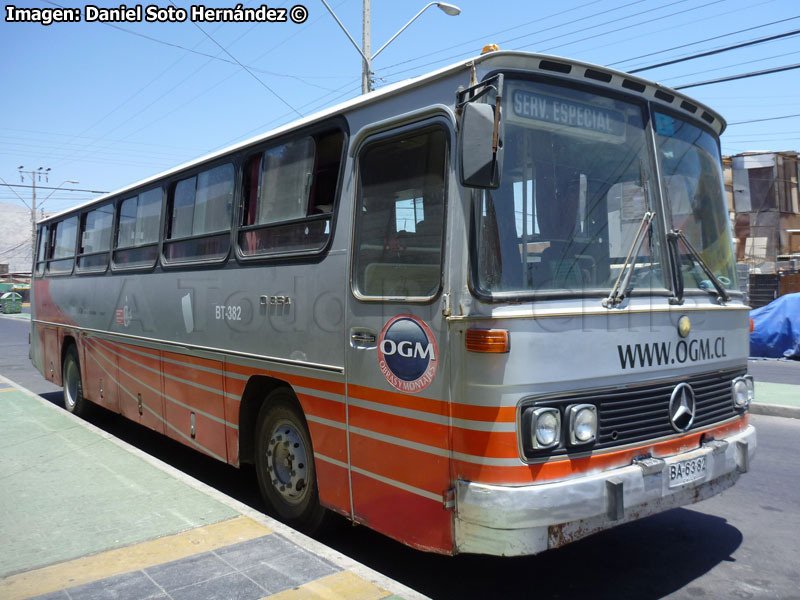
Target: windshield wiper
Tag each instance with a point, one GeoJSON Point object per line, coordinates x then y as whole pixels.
{"type": "Point", "coordinates": [675, 235]}
{"type": "Point", "coordinates": [623, 283]}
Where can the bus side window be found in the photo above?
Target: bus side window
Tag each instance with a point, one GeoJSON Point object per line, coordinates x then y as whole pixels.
{"type": "Point", "coordinates": [138, 222]}
{"type": "Point", "coordinates": [94, 240]}
{"type": "Point", "coordinates": [40, 250]}
{"type": "Point", "coordinates": [289, 195]}
{"type": "Point", "coordinates": [62, 245]}
{"type": "Point", "coordinates": [400, 216]}
{"type": "Point", "coordinates": [199, 216]}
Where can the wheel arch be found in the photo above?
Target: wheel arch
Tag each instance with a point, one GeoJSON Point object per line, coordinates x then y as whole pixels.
{"type": "Point", "coordinates": [68, 340]}
{"type": "Point", "coordinates": [258, 388]}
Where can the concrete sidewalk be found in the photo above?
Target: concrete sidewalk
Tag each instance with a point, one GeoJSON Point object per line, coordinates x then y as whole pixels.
{"type": "Point", "coordinates": [85, 515]}
{"type": "Point", "coordinates": [777, 400]}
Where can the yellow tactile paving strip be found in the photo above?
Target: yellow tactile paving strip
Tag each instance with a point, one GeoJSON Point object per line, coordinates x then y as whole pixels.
{"type": "Point", "coordinates": [345, 585]}
{"type": "Point", "coordinates": [124, 560]}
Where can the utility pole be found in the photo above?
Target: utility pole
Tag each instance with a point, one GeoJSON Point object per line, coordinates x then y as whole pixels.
{"type": "Point", "coordinates": [41, 171]}
{"type": "Point", "coordinates": [38, 173]}
{"type": "Point", "coordinates": [366, 48]}
{"type": "Point", "coordinates": [366, 37]}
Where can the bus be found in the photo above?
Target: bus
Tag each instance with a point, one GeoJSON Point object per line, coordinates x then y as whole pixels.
{"type": "Point", "coordinates": [492, 309]}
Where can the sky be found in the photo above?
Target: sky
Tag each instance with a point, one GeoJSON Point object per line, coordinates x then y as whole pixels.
{"type": "Point", "coordinates": [108, 104]}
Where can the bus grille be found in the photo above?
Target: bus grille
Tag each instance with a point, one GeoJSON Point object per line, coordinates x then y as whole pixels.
{"type": "Point", "coordinates": [634, 414]}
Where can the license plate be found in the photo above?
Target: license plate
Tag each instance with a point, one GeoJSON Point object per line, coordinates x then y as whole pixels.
{"type": "Point", "coordinates": [686, 471]}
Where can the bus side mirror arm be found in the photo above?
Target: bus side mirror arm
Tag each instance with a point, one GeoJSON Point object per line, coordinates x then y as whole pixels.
{"type": "Point", "coordinates": [480, 142]}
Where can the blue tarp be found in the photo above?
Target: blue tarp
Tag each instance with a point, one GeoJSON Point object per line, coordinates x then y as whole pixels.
{"type": "Point", "coordinates": [776, 328]}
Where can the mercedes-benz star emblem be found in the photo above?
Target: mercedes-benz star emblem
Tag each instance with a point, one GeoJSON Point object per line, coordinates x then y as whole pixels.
{"type": "Point", "coordinates": [682, 407]}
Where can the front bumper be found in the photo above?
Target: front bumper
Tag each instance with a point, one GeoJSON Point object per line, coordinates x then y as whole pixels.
{"type": "Point", "coordinates": [512, 521]}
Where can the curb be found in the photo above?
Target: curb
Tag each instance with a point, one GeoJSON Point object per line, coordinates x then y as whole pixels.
{"type": "Point", "coordinates": [309, 544]}
{"type": "Point", "coordinates": [775, 410]}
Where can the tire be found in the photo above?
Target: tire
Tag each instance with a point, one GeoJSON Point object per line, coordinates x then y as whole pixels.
{"type": "Point", "coordinates": [285, 463]}
{"type": "Point", "coordinates": [74, 401]}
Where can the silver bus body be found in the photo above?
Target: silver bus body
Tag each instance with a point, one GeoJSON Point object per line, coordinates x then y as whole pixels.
{"type": "Point", "coordinates": [364, 317]}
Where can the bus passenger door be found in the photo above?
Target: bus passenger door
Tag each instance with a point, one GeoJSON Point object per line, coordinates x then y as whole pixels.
{"type": "Point", "coordinates": [397, 390]}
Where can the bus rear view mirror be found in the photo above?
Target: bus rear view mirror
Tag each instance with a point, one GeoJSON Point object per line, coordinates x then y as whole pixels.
{"type": "Point", "coordinates": [481, 145]}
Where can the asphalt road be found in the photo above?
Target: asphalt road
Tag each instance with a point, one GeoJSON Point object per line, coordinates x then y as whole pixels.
{"type": "Point", "coordinates": [742, 544]}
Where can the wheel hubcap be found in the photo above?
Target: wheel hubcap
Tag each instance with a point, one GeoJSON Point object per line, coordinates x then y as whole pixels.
{"type": "Point", "coordinates": [287, 462]}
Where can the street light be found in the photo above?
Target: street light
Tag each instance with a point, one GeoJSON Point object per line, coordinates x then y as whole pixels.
{"type": "Point", "coordinates": [366, 71]}
{"type": "Point", "coordinates": [72, 181]}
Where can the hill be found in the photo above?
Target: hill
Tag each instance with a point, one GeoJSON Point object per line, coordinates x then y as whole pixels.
{"type": "Point", "coordinates": [15, 237]}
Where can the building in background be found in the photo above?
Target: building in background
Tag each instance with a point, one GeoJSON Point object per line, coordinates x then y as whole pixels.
{"type": "Point", "coordinates": [763, 192]}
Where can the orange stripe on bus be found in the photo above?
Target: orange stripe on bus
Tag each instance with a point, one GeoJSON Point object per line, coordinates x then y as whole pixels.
{"type": "Point", "coordinates": [419, 403]}
{"type": "Point", "coordinates": [555, 470]}
{"type": "Point", "coordinates": [328, 441]}
{"type": "Point", "coordinates": [209, 434]}
{"type": "Point", "coordinates": [324, 385]}
{"type": "Point", "coordinates": [389, 509]}
{"type": "Point", "coordinates": [197, 399]}
{"type": "Point", "coordinates": [204, 378]}
{"type": "Point", "coordinates": [203, 400]}
{"type": "Point", "coordinates": [321, 407]}
{"type": "Point", "coordinates": [197, 361]}
{"type": "Point", "coordinates": [138, 363]}
{"type": "Point", "coordinates": [334, 486]}
{"type": "Point", "coordinates": [491, 444]}
{"type": "Point", "coordinates": [491, 414]}
{"type": "Point", "coordinates": [421, 432]}
{"type": "Point", "coordinates": [413, 467]}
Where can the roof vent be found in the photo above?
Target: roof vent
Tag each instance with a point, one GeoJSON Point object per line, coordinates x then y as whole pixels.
{"type": "Point", "coordinates": [633, 85]}
{"type": "Point", "coordinates": [550, 65]}
{"type": "Point", "coordinates": [597, 75]}
{"type": "Point", "coordinates": [664, 96]}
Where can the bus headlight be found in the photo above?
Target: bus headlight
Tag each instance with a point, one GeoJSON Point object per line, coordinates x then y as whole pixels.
{"type": "Point", "coordinates": [740, 392]}
{"type": "Point", "coordinates": [545, 428]}
{"type": "Point", "coordinates": [582, 423]}
{"type": "Point", "coordinates": [751, 388]}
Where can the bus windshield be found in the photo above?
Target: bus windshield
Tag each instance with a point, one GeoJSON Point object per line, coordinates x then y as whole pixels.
{"type": "Point", "coordinates": [576, 185]}
{"type": "Point", "coordinates": [690, 163]}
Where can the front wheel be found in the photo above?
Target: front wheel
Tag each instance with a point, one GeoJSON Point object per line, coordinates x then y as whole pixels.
{"type": "Point", "coordinates": [74, 401]}
{"type": "Point", "coordinates": [285, 462]}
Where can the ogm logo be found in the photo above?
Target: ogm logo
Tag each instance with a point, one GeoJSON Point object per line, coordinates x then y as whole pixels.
{"type": "Point", "coordinates": [408, 354]}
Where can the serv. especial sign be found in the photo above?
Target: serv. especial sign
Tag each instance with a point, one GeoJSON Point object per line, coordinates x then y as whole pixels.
{"type": "Point", "coordinates": [408, 354]}
{"type": "Point", "coordinates": [533, 108]}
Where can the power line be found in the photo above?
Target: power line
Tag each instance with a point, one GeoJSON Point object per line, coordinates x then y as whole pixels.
{"type": "Point", "coordinates": [253, 75]}
{"type": "Point", "coordinates": [718, 51]}
{"type": "Point", "coordinates": [14, 248]}
{"type": "Point", "coordinates": [135, 94]}
{"type": "Point", "coordinates": [15, 193]}
{"type": "Point", "coordinates": [488, 35]}
{"type": "Point", "coordinates": [594, 26]}
{"type": "Point", "coordinates": [199, 53]}
{"type": "Point", "coordinates": [565, 23]}
{"type": "Point", "coordinates": [767, 119]}
{"type": "Point", "coordinates": [626, 26]}
{"type": "Point", "coordinates": [777, 133]}
{"type": "Point", "coordinates": [43, 187]}
{"type": "Point", "coordinates": [69, 135]}
{"type": "Point", "coordinates": [741, 76]}
{"type": "Point", "coordinates": [739, 64]}
{"type": "Point", "coordinates": [716, 37]}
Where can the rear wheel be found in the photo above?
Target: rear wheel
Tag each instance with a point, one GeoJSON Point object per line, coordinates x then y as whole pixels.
{"type": "Point", "coordinates": [285, 462]}
{"type": "Point", "coordinates": [74, 401]}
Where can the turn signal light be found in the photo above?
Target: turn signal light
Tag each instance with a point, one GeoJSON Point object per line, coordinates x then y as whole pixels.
{"type": "Point", "coordinates": [488, 340]}
{"type": "Point", "coordinates": [752, 325]}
